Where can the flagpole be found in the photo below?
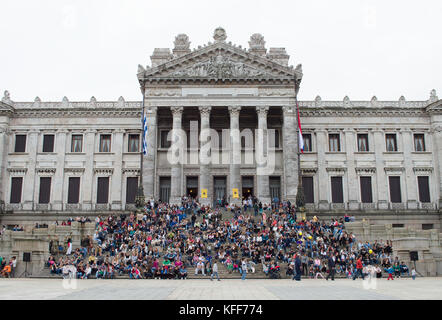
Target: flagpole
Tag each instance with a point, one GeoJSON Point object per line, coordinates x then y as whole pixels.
{"type": "Point", "coordinates": [139, 200]}
{"type": "Point", "coordinates": [300, 200]}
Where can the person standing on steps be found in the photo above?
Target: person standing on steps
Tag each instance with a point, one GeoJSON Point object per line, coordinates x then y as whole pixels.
{"type": "Point", "coordinates": [359, 267]}
{"type": "Point", "coordinates": [298, 270]}
{"type": "Point", "coordinates": [214, 271]}
{"type": "Point", "coordinates": [331, 267]}
{"type": "Point", "coordinates": [244, 269]}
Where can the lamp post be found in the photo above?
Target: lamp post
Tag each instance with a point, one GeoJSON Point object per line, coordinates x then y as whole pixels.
{"type": "Point", "coordinates": [139, 199]}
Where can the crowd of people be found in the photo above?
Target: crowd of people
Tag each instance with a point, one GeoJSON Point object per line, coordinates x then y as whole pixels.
{"type": "Point", "coordinates": [168, 241]}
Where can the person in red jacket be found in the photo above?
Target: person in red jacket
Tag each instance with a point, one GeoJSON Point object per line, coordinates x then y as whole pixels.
{"type": "Point", "coordinates": [359, 267]}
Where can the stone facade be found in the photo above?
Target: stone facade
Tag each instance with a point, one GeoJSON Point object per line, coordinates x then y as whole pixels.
{"type": "Point", "coordinates": [222, 86]}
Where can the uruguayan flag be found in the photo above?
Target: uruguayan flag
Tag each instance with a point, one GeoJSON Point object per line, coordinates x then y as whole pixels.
{"type": "Point", "coordinates": [144, 135]}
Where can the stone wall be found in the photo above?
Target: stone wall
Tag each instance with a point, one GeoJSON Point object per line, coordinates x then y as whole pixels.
{"type": "Point", "coordinates": [428, 243]}
{"type": "Point", "coordinates": [37, 240]}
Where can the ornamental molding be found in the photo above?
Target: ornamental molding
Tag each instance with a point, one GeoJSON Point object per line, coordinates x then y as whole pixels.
{"type": "Point", "coordinates": [336, 170]}
{"type": "Point", "coordinates": [220, 67]}
{"type": "Point", "coordinates": [423, 170]}
{"type": "Point", "coordinates": [308, 171]}
{"type": "Point", "coordinates": [163, 92]}
{"type": "Point", "coordinates": [361, 170]}
{"type": "Point", "coordinates": [268, 92]}
{"type": "Point", "coordinates": [131, 171]}
{"type": "Point", "coordinates": [17, 171]}
{"type": "Point", "coordinates": [45, 171]}
{"type": "Point", "coordinates": [76, 171]}
{"type": "Point", "coordinates": [104, 171]}
{"type": "Point", "coordinates": [392, 170]}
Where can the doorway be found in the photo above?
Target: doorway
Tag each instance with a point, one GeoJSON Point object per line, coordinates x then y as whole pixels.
{"type": "Point", "coordinates": [219, 186]}
{"type": "Point", "coordinates": [247, 186]}
{"type": "Point", "coordinates": [192, 187]}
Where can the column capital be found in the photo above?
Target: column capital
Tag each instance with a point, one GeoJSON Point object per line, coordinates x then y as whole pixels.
{"type": "Point", "coordinates": [234, 110]}
{"type": "Point", "coordinates": [176, 111]}
{"type": "Point", "coordinates": [91, 131]}
{"type": "Point", "coordinates": [152, 110]}
{"type": "Point", "coordinates": [262, 111]}
{"type": "Point", "coordinates": [205, 111]}
{"type": "Point", "coordinates": [288, 110]}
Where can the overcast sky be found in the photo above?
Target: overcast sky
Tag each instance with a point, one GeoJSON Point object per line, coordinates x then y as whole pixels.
{"type": "Point", "coordinates": [358, 48]}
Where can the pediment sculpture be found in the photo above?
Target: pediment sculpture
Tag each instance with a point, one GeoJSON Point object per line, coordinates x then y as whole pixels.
{"type": "Point", "coordinates": [219, 67]}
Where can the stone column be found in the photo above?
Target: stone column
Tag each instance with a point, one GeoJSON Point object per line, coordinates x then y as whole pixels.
{"type": "Point", "coordinates": [177, 153]}
{"type": "Point", "coordinates": [235, 154]}
{"type": "Point", "coordinates": [410, 178]}
{"type": "Point", "coordinates": [205, 159]}
{"type": "Point", "coordinates": [290, 140]}
{"type": "Point", "coordinates": [381, 177]}
{"type": "Point", "coordinates": [58, 186]}
{"type": "Point", "coordinates": [352, 178]}
{"type": "Point", "coordinates": [30, 178]}
{"type": "Point", "coordinates": [323, 178]}
{"type": "Point", "coordinates": [117, 176]}
{"type": "Point", "coordinates": [437, 153]}
{"type": "Point", "coordinates": [88, 179]}
{"type": "Point", "coordinates": [3, 156]}
{"type": "Point", "coordinates": [150, 158]}
{"type": "Point", "coordinates": [261, 147]}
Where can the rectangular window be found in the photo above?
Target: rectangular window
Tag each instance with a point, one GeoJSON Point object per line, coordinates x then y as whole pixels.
{"type": "Point", "coordinates": [427, 226]}
{"type": "Point", "coordinates": [366, 190]}
{"type": "Point", "coordinates": [395, 189]}
{"type": "Point", "coordinates": [337, 192]}
{"type": "Point", "coordinates": [419, 142]}
{"type": "Point", "coordinates": [77, 143]}
{"type": "Point", "coordinates": [48, 143]}
{"type": "Point", "coordinates": [307, 142]}
{"type": "Point", "coordinates": [74, 190]}
{"type": "Point", "coordinates": [134, 143]}
{"type": "Point", "coordinates": [16, 189]}
{"type": "Point", "coordinates": [276, 138]}
{"type": "Point", "coordinates": [397, 225]}
{"type": "Point", "coordinates": [103, 190]}
{"type": "Point", "coordinates": [307, 184]}
{"type": "Point", "coordinates": [363, 142]}
{"type": "Point", "coordinates": [20, 143]}
{"type": "Point", "coordinates": [105, 143]}
{"type": "Point", "coordinates": [164, 142]}
{"type": "Point", "coordinates": [45, 190]}
{"type": "Point", "coordinates": [334, 143]}
{"type": "Point", "coordinates": [390, 140]}
{"type": "Point", "coordinates": [131, 189]}
{"type": "Point", "coordinates": [424, 189]}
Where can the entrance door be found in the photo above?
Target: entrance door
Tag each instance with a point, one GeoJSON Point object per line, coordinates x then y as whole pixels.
{"type": "Point", "coordinates": [192, 187]}
{"type": "Point", "coordinates": [219, 186]}
{"type": "Point", "coordinates": [164, 189]}
{"type": "Point", "coordinates": [247, 186]}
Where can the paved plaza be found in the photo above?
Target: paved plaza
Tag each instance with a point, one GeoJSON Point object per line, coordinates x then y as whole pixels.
{"type": "Point", "coordinates": [204, 289]}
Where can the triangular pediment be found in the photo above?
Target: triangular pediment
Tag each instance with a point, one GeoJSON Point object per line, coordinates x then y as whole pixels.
{"type": "Point", "coordinates": [5, 108]}
{"type": "Point", "coordinates": [219, 61]}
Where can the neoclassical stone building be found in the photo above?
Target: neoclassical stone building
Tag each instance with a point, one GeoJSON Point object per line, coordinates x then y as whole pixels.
{"type": "Point", "coordinates": [365, 156]}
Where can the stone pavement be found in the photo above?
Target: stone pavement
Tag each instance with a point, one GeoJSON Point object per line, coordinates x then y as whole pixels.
{"type": "Point", "coordinates": [421, 288]}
